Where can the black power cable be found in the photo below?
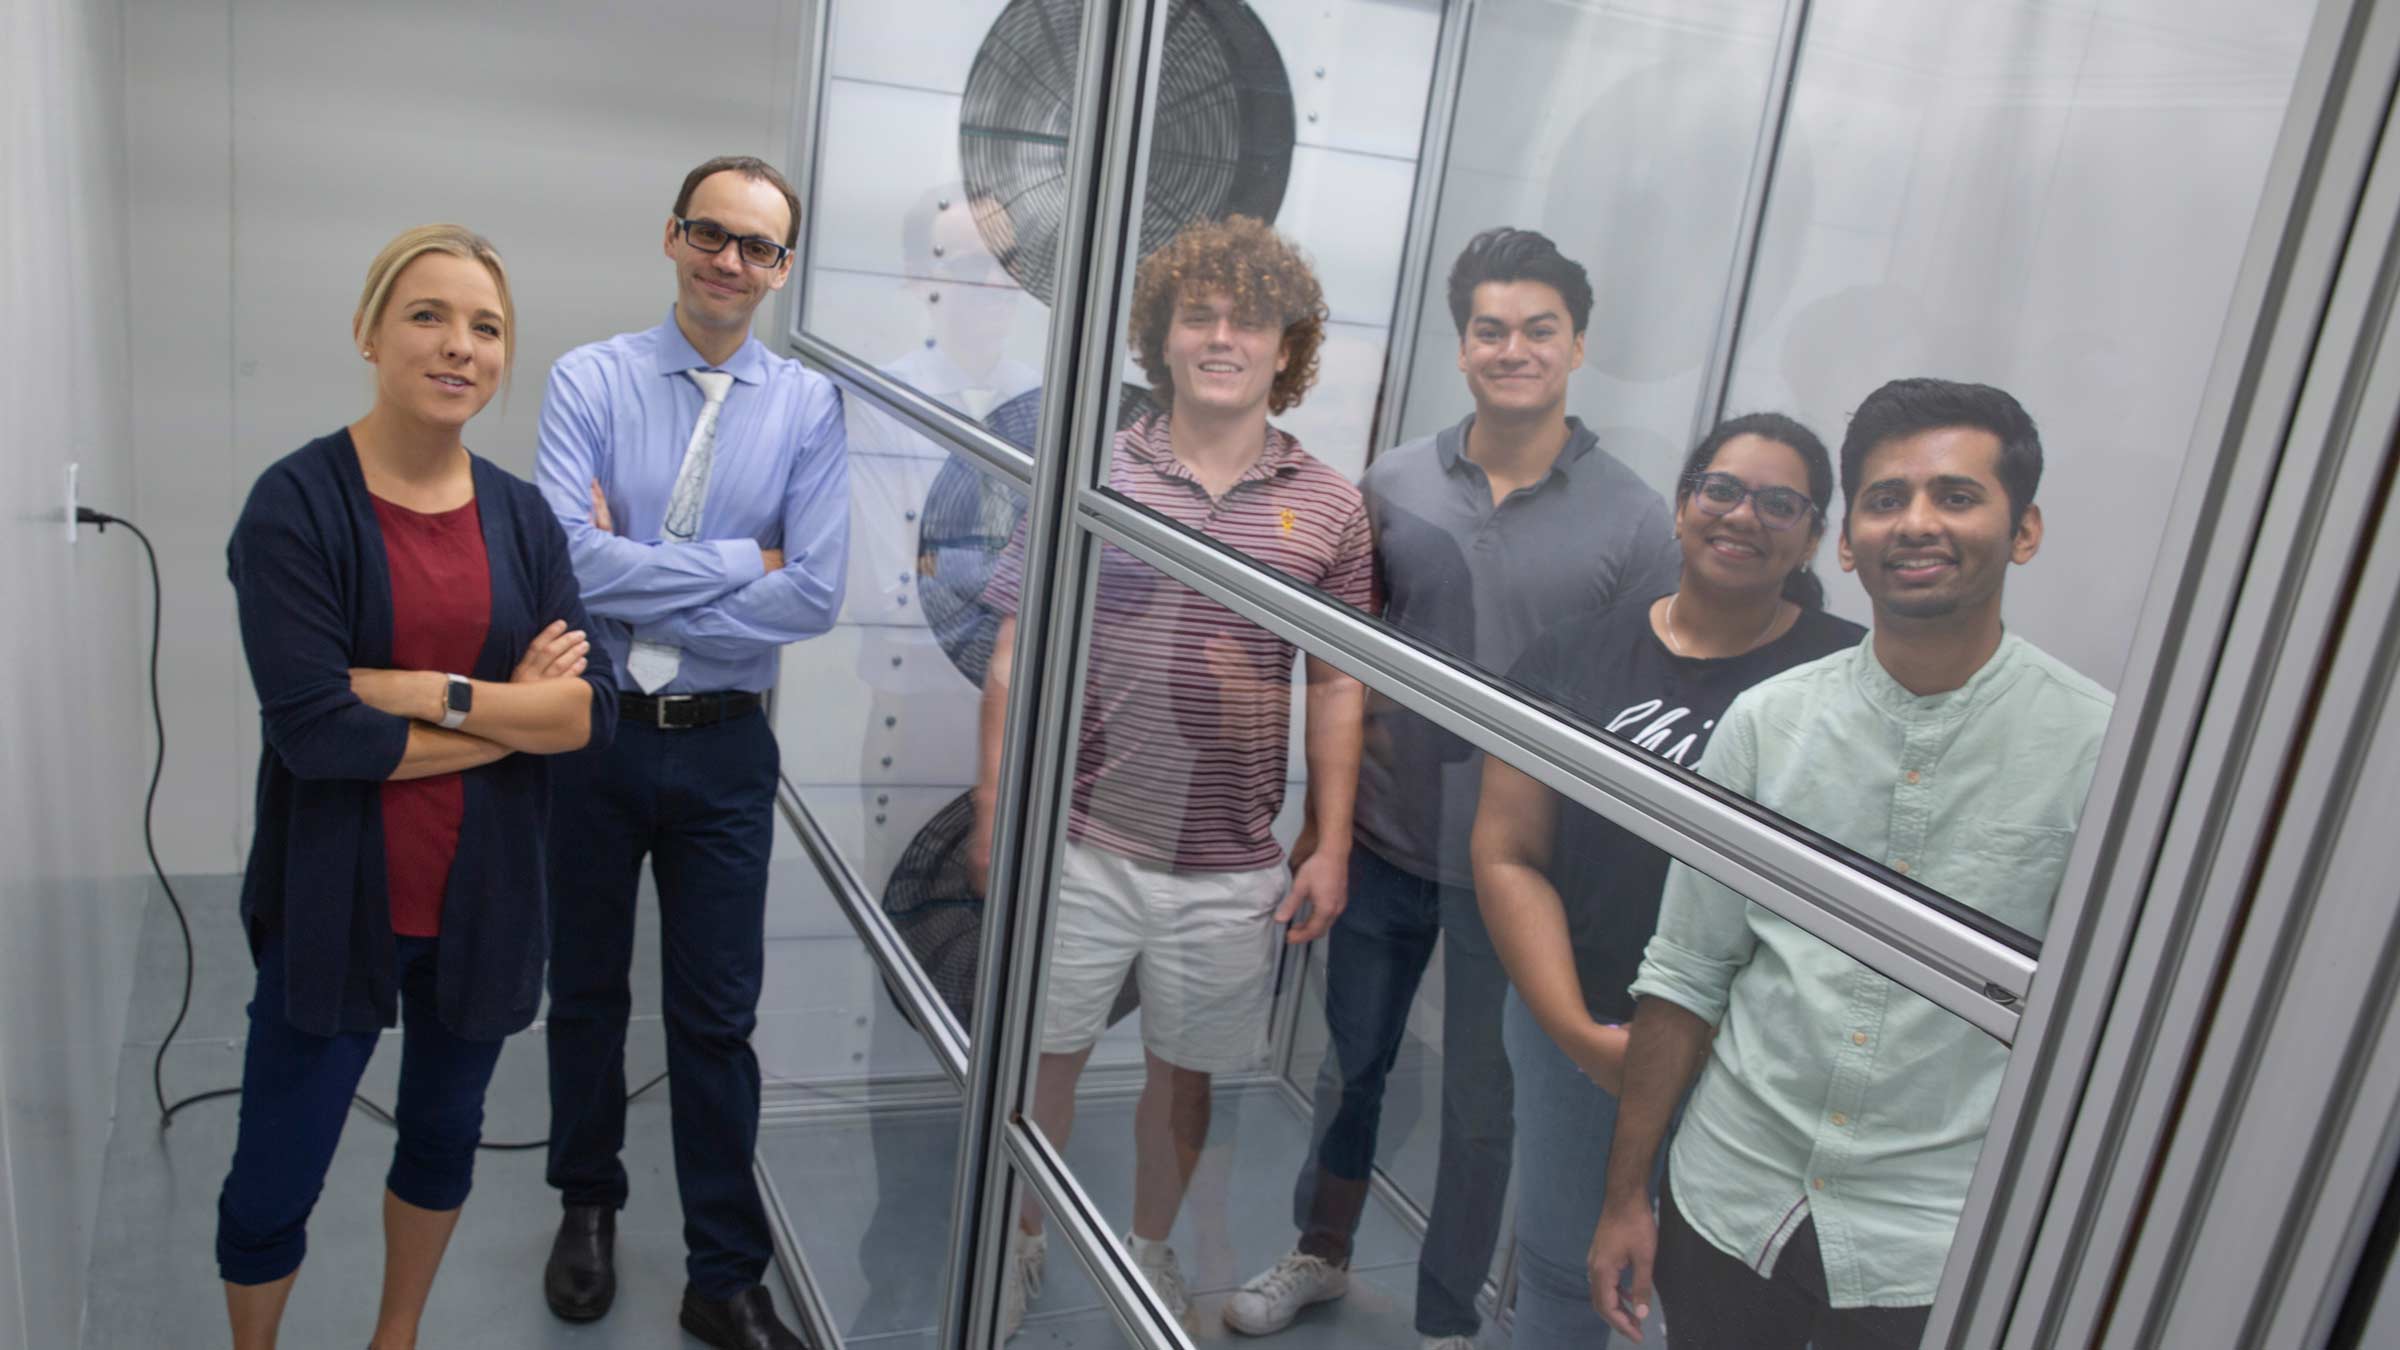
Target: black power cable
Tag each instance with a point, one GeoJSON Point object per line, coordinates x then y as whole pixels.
{"type": "Point", "coordinates": [101, 520]}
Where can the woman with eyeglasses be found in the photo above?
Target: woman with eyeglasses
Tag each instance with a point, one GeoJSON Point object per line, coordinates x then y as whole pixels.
{"type": "Point", "coordinates": [414, 630]}
{"type": "Point", "coordinates": [1571, 899]}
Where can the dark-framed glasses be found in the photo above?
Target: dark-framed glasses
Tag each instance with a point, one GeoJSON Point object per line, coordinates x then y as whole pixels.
{"type": "Point", "coordinates": [710, 237]}
{"type": "Point", "coordinates": [1777, 508]}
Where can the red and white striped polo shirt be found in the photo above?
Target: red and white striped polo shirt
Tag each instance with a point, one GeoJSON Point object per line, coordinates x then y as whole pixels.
{"type": "Point", "coordinates": [1187, 706]}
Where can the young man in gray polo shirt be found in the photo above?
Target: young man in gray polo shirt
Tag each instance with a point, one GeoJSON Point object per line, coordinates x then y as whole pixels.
{"type": "Point", "coordinates": [1486, 533]}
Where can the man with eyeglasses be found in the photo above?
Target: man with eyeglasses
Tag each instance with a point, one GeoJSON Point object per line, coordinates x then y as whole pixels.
{"type": "Point", "coordinates": [704, 487]}
{"type": "Point", "coordinates": [1822, 1164]}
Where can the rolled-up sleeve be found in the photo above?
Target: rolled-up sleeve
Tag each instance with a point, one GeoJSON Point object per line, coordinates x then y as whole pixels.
{"type": "Point", "coordinates": [622, 578]}
{"type": "Point", "coordinates": [1704, 936]}
{"type": "Point", "coordinates": [803, 598]}
{"type": "Point", "coordinates": [296, 639]}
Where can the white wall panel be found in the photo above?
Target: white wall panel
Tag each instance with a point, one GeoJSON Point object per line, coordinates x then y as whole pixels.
{"type": "Point", "coordinates": [74, 728]}
{"type": "Point", "coordinates": [2008, 194]}
{"type": "Point", "coordinates": [923, 44]}
{"type": "Point", "coordinates": [883, 318]}
{"type": "Point", "coordinates": [883, 149]}
{"type": "Point", "coordinates": [838, 689]}
{"type": "Point", "coordinates": [1358, 70]}
{"type": "Point", "coordinates": [1337, 418]}
{"type": "Point", "coordinates": [1350, 214]}
{"type": "Point", "coordinates": [294, 139]}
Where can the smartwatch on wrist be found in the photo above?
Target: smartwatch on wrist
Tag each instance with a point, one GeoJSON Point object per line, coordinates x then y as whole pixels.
{"type": "Point", "coordinates": [458, 701]}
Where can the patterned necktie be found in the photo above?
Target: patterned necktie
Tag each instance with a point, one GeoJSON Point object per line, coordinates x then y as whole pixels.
{"type": "Point", "coordinates": [653, 664]}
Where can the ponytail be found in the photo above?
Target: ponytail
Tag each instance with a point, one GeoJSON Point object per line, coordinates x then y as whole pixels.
{"type": "Point", "coordinates": [1802, 588]}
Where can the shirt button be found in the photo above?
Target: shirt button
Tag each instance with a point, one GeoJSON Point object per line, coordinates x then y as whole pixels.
{"type": "Point", "coordinates": [1840, 1119]}
{"type": "Point", "coordinates": [1819, 1183]}
{"type": "Point", "coordinates": [1912, 775]}
{"type": "Point", "coordinates": [1900, 865]}
{"type": "Point", "coordinates": [1858, 1038]}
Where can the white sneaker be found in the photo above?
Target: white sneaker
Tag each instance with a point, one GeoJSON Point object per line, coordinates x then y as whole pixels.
{"type": "Point", "coordinates": [1156, 1262]}
{"type": "Point", "coordinates": [1447, 1343]}
{"type": "Point", "coordinates": [1268, 1303]}
{"type": "Point", "coordinates": [1022, 1281]}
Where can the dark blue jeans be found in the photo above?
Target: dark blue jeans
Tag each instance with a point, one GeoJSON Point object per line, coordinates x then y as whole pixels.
{"type": "Point", "coordinates": [296, 1092]}
{"type": "Point", "coordinates": [1375, 956]}
{"type": "Point", "coordinates": [700, 805]}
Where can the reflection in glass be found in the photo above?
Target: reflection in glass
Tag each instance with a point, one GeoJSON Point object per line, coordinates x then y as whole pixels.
{"type": "Point", "coordinates": [1173, 870]}
{"type": "Point", "coordinates": [1822, 1164]}
{"type": "Point", "coordinates": [860, 1128]}
{"type": "Point", "coordinates": [1571, 899]}
{"type": "Point", "coordinates": [1626, 133]}
{"type": "Point", "coordinates": [2006, 194]}
{"type": "Point", "coordinates": [877, 719]}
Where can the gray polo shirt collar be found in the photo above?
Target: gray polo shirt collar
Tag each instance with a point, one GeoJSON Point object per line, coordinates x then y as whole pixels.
{"type": "Point", "coordinates": [1450, 446]}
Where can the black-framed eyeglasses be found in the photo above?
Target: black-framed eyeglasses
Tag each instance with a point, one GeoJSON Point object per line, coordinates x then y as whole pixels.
{"type": "Point", "coordinates": [1777, 508]}
{"type": "Point", "coordinates": [711, 238]}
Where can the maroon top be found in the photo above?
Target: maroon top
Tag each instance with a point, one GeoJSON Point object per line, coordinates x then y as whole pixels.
{"type": "Point", "coordinates": [441, 608]}
{"type": "Point", "coordinates": [1186, 735]}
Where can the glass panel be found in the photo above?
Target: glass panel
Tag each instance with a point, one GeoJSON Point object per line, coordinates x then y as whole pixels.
{"type": "Point", "coordinates": [1199, 738]}
{"type": "Point", "coordinates": [1838, 1096]}
{"type": "Point", "coordinates": [1553, 472]}
{"type": "Point", "coordinates": [2004, 196]}
{"type": "Point", "coordinates": [1819, 1167]}
{"type": "Point", "coordinates": [1670, 99]}
{"type": "Point", "coordinates": [941, 163]}
{"type": "Point", "coordinates": [860, 1129]}
{"type": "Point", "coordinates": [2001, 195]}
{"type": "Point", "coordinates": [1048, 1298]}
{"type": "Point", "coordinates": [879, 718]}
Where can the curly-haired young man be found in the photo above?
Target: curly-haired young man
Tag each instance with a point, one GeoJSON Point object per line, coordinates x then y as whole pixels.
{"type": "Point", "coordinates": [1180, 762]}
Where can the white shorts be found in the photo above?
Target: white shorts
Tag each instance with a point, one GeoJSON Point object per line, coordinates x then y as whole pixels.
{"type": "Point", "coordinates": [1206, 947]}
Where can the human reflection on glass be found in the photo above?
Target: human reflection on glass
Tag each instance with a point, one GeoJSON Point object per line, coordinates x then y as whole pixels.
{"type": "Point", "coordinates": [1823, 1160]}
{"type": "Point", "coordinates": [970, 307]}
{"type": "Point", "coordinates": [1484, 532]}
{"type": "Point", "coordinates": [1171, 869]}
{"type": "Point", "coordinates": [1571, 898]}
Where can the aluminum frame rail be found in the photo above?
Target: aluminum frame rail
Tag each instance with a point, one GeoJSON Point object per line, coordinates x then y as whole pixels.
{"type": "Point", "coordinates": [1969, 972]}
{"type": "Point", "coordinates": [2146, 917]}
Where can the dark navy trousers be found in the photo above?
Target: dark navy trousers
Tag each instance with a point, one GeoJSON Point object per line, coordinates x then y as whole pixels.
{"type": "Point", "coordinates": [296, 1091]}
{"type": "Point", "coordinates": [699, 804]}
{"type": "Point", "coordinates": [1374, 959]}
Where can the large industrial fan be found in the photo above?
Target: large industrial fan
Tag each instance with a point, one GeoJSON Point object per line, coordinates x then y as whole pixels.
{"type": "Point", "coordinates": [1221, 134]}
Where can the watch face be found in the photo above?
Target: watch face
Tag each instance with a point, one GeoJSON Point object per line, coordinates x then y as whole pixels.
{"type": "Point", "coordinates": [462, 696]}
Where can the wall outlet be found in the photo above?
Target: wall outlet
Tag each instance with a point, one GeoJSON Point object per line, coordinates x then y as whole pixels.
{"type": "Point", "coordinates": [72, 500]}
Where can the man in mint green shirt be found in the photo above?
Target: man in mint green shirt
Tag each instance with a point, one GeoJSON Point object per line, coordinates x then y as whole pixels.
{"type": "Point", "coordinates": [1823, 1160]}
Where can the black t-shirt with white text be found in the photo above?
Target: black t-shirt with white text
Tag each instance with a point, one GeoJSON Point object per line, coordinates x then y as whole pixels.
{"type": "Point", "coordinates": [1610, 670]}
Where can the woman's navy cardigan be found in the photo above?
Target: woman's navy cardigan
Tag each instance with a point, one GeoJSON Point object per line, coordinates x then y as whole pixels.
{"type": "Point", "coordinates": [315, 599]}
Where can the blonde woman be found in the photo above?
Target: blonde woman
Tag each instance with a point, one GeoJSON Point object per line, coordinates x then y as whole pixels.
{"type": "Point", "coordinates": [415, 636]}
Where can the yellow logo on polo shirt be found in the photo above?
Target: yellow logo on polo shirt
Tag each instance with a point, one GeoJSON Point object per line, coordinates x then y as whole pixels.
{"type": "Point", "coordinates": [1288, 520]}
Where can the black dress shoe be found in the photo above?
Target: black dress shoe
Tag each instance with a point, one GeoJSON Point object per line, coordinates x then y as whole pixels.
{"type": "Point", "coordinates": [746, 1321]}
{"type": "Point", "coordinates": [581, 1279]}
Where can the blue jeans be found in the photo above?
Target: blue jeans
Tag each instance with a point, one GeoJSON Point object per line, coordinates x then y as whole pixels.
{"type": "Point", "coordinates": [700, 804]}
{"type": "Point", "coordinates": [1375, 956]}
{"type": "Point", "coordinates": [296, 1091]}
{"type": "Point", "coordinates": [1565, 1122]}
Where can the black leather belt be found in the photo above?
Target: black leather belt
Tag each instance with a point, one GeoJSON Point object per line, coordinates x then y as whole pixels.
{"type": "Point", "coordinates": [683, 712]}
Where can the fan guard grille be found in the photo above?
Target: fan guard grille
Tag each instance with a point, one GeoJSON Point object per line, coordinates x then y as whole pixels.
{"type": "Point", "coordinates": [1221, 139]}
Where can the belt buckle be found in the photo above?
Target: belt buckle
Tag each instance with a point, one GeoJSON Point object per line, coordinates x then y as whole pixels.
{"type": "Point", "coordinates": [661, 711]}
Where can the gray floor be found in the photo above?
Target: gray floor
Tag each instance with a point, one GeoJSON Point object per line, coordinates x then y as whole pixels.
{"type": "Point", "coordinates": [154, 1279]}
{"type": "Point", "coordinates": [864, 1167]}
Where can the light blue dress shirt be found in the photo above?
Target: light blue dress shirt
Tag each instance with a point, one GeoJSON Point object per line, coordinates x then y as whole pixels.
{"type": "Point", "coordinates": [1830, 1092]}
{"type": "Point", "coordinates": [622, 411]}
